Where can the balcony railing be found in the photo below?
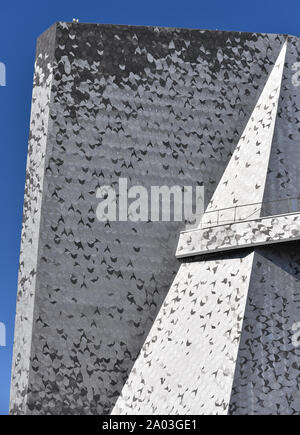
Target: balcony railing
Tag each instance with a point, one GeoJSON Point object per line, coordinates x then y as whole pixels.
{"type": "Point", "coordinates": [247, 212]}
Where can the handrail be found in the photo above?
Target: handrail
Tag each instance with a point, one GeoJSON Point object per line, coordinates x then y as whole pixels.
{"type": "Point", "coordinates": [263, 206]}
{"type": "Point", "coordinates": [254, 203]}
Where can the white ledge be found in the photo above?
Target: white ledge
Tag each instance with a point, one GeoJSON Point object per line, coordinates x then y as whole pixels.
{"type": "Point", "coordinates": [240, 234]}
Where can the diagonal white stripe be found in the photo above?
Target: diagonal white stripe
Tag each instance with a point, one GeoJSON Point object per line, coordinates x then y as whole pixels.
{"type": "Point", "coordinates": [244, 178]}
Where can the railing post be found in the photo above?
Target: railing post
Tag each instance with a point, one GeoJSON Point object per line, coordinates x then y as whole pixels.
{"type": "Point", "coordinates": [234, 219]}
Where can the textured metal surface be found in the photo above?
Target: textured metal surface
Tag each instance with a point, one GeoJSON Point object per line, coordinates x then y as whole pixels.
{"type": "Point", "coordinates": [31, 221]}
{"type": "Point", "coordinates": [267, 378]}
{"type": "Point", "coordinates": [159, 107]}
{"type": "Point", "coordinates": [267, 372]}
{"type": "Point", "coordinates": [187, 363]}
{"type": "Point", "coordinates": [283, 176]}
{"type": "Point", "coordinates": [244, 178]}
{"type": "Point", "coordinates": [204, 313]}
{"type": "Point", "coordinates": [239, 235]}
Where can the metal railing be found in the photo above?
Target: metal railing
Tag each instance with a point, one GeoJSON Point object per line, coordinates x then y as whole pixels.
{"type": "Point", "coordinates": [245, 212]}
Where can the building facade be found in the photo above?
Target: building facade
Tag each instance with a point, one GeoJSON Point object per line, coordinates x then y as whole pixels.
{"type": "Point", "coordinates": [108, 319]}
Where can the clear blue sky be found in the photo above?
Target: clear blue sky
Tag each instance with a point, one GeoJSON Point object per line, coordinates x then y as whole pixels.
{"type": "Point", "coordinates": [20, 24]}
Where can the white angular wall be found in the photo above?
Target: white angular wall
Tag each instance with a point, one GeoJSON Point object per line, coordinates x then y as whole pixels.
{"type": "Point", "coordinates": [188, 361]}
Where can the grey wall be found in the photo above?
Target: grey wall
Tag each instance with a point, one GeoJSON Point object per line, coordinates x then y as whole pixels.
{"type": "Point", "coordinates": [158, 106]}
{"type": "Point", "coordinates": [267, 372]}
{"type": "Point", "coordinates": [33, 195]}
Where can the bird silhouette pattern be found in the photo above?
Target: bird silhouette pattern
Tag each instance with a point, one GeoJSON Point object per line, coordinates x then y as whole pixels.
{"type": "Point", "coordinates": [158, 106]}
{"type": "Point", "coordinates": [31, 220]}
{"type": "Point", "coordinates": [266, 380]}
{"type": "Point", "coordinates": [283, 175]}
{"type": "Point", "coordinates": [243, 234]}
{"type": "Point", "coordinates": [243, 181]}
{"type": "Point", "coordinates": [187, 363]}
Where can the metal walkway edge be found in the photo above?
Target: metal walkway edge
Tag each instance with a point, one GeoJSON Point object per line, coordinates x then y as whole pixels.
{"type": "Point", "coordinates": [239, 234]}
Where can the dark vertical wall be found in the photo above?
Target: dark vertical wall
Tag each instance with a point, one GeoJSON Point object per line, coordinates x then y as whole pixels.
{"type": "Point", "coordinates": [267, 372]}
{"type": "Point", "coordinates": [33, 194]}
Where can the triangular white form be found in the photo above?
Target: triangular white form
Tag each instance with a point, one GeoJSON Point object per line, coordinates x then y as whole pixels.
{"type": "Point", "coordinates": [187, 363]}
{"type": "Point", "coordinates": [243, 181]}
